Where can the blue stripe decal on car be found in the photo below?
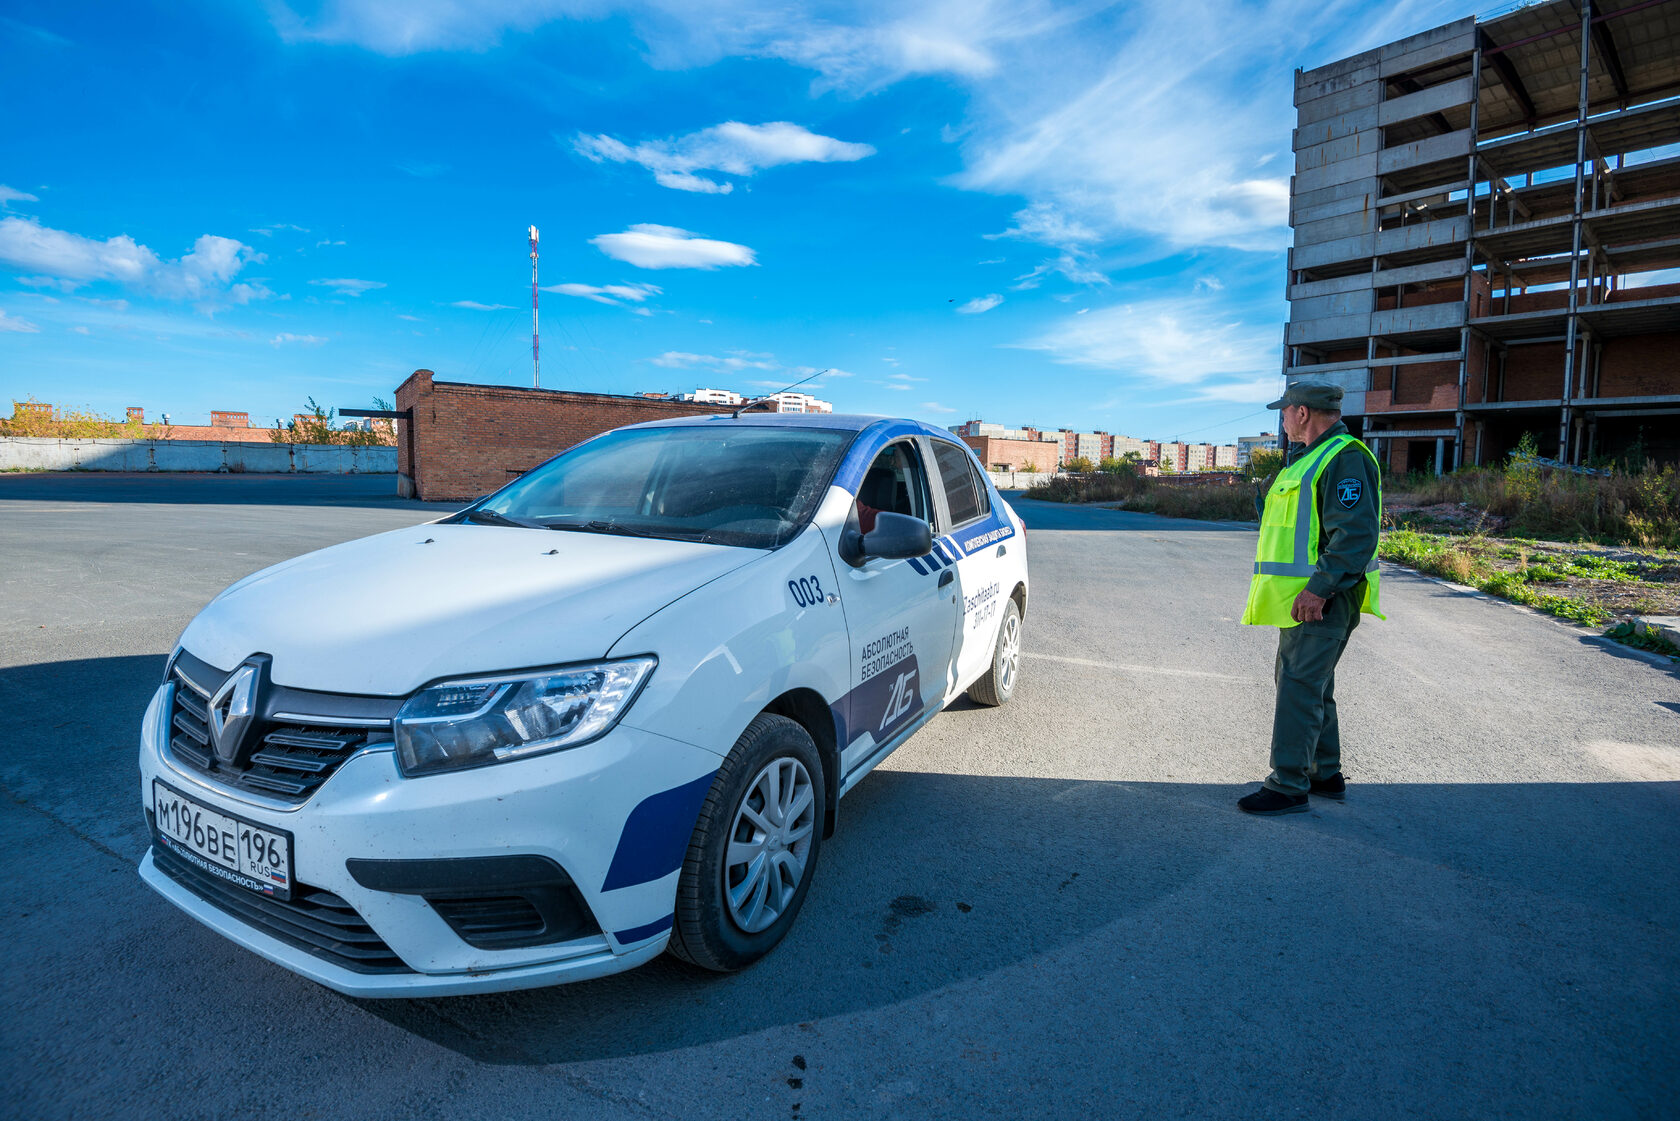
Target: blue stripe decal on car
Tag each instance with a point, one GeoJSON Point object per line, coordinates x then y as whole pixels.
{"type": "Point", "coordinates": [656, 835]}
{"type": "Point", "coordinates": [867, 446]}
{"type": "Point", "coordinates": [916, 563]}
{"type": "Point", "coordinates": [646, 931]}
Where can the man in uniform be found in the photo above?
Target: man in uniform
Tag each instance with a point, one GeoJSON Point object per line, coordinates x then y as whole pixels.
{"type": "Point", "coordinates": [1315, 572]}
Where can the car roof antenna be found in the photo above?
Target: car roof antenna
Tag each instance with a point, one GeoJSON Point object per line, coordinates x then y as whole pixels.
{"type": "Point", "coordinates": [736, 415]}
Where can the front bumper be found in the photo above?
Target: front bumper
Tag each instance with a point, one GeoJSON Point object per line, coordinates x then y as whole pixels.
{"type": "Point", "coordinates": [603, 812]}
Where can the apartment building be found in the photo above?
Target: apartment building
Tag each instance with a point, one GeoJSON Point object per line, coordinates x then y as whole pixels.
{"type": "Point", "coordinates": [1248, 445]}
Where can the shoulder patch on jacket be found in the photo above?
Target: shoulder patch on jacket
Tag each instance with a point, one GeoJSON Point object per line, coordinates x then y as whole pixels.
{"type": "Point", "coordinates": [1349, 492]}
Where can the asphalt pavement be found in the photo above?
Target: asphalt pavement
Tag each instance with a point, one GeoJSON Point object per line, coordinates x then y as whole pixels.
{"type": "Point", "coordinates": [1052, 909]}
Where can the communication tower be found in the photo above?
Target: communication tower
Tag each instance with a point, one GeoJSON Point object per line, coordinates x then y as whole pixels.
{"type": "Point", "coordinates": [532, 232]}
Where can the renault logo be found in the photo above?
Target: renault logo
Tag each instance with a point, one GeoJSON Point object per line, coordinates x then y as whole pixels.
{"type": "Point", "coordinates": [232, 711]}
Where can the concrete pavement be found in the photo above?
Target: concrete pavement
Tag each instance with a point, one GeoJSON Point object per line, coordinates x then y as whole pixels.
{"type": "Point", "coordinates": [1051, 909]}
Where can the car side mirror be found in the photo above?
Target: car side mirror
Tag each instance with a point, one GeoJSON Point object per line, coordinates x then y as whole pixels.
{"type": "Point", "coordinates": [895, 537]}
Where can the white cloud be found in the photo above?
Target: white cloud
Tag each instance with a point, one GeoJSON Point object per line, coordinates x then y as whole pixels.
{"type": "Point", "coordinates": [410, 318]}
{"type": "Point", "coordinates": [326, 242]}
{"type": "Point", "coordinates": [472, 305]}
{"type": "Point", "coordinates": [69, 260]}
{"type": "Point", "coordinates": [288, 337]}
{"type": "Point", "coordinates": [348, 286]}
{"type": "Point", "coordinates": [13, 323]}
{"type": "Point", "coordinates": [80, 331]}
{"type": "Point", "coordinates": [614, 295]}
{"type": "Point", "coordinates": [1047, 225]}
{"type": "Point", "coordinates": [904, 377]}
{"type": "Point", "coordinates": [666, 247]}
{"type": "Point", "coordinates": [731, 363]}
{"type": "Point", "coordinates": [980, 304]}
{"type": "Point", "coordinates": [1166, 120]}
{"type": "Point", "coordinates": [857, 47]}
{"type": "Point", "coordinates": [8, 196]}
{"type": "Point", "coordinates": [1250, 391]}
{"type": "Point", "coordinates": [1172, 341]}
{"type": "Point", "coordinates": [280, 227]}
{"type": "Point", "coordinates": [733, 148]}
{"type": "Point", "coordinates": [936, 407]}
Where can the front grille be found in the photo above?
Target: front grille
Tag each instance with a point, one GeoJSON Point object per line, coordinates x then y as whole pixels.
{"type": "Point", "coordinates": [290, 763]}
{"type": "Point", "coordinates": [315, 921]}
{"type": "Point", "coordinates": [490, 922]}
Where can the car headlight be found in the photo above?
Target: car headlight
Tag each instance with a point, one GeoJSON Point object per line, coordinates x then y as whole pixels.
{"type": "Point", "coordinates": [475, 721]}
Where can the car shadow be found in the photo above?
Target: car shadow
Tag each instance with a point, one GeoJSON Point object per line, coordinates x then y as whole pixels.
{"type": "Point", "coordinates": [936, 879]}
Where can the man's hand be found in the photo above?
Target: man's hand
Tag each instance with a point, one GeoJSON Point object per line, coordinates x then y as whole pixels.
{"type": "Point", "coordinates": [1307, 607]}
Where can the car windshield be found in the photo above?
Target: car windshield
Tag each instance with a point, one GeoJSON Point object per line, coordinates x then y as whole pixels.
{"type": "Point", "coordinates": [728, 484]}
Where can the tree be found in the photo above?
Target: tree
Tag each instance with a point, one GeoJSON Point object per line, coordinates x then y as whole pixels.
{"type": "Point", "coordinates": [316, 427]}
{"type": "Point", "coordinates": [1028, 468]}
{"type": "Point", "coordinates": [1263, 463]}
{"type": "Point", "coordinates": [1079, 465]}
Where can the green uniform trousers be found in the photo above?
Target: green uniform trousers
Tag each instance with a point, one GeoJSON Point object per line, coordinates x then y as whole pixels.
{"type": "Point", "coordinates": [1306, 739]}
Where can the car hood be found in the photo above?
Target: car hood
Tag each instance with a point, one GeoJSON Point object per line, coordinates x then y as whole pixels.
{"type": "Point", "coordinates": [386, 614]}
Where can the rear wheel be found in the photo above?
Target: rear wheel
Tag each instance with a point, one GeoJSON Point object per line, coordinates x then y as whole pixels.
{"type": "Point", "coordinates": [998, 684]}
{"type": "Point", "coordinates": [754, 849]}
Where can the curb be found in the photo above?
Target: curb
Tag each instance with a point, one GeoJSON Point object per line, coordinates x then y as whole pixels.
{"type": "Point", "coordinates": [1660, 660]}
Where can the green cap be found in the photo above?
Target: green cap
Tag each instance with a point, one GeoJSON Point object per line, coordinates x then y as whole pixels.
{"type": "Point", "coordinates": [1314, 395]}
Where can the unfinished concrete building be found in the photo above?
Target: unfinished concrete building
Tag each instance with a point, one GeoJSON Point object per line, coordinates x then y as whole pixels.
{"type": "Point", "coordinates": [1483, 214]}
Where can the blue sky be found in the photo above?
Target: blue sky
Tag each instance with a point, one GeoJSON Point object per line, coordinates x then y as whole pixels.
{"type": "Point", "coordinates": [1061, 214]}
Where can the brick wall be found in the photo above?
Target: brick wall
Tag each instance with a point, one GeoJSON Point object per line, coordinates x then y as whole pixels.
{"type": "Point", "coordinates": [467, 440]}
{"type": "Point", "coordinates": [219, 433]}
{"type": "Point", "coordinates": [1641, 366]}
{"type": "Point", "coordinates": [1015, 454]}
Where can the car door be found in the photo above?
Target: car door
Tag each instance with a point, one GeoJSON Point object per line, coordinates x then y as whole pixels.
{"type": "Point", "coordinates": [900, 615]}
{"type": "Point", "coordinates": [970, 536]}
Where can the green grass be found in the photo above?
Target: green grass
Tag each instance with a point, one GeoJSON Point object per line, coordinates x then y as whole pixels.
{"type": "Point", "coordinates": [1465, 561]}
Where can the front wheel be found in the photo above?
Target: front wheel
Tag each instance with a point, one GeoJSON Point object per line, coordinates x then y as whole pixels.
{"type": "Point", "coordinates": [754, 849]}
{"type": "Point", "coordinates": [998, 685]}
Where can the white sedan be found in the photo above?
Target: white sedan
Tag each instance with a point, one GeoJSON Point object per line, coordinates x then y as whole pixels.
{"type": "Point", "coordinates": [609, 710]}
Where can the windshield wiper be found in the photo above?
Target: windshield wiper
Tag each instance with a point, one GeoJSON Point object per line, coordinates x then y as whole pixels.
{"type": "Point", "coordinates": [491, 517]}
{"type": "Point", "coordinates": [598, 525]}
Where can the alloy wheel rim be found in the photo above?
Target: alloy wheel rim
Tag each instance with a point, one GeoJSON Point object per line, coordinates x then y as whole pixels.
{"type": "Point", "coordinates": [1011, 652]}
{"type": "Point", "coordinates": [769, 845]}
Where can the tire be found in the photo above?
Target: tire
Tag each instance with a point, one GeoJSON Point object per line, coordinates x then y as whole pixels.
{"type": "Point", "coordinates": [998, 684]}
{"type": "Point", "coordinates": [718, 925]}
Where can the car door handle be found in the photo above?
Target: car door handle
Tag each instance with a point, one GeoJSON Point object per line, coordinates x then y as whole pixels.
{"type": "Point", "coordinates": [946, 577]}
{"type": "Point", "coordinates": [1002, 549]}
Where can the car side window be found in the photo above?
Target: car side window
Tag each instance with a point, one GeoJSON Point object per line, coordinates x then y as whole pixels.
{"type": "Point", "coordinates": [965, 494]}
{"type": "Point", "coordinates": [894, 484]}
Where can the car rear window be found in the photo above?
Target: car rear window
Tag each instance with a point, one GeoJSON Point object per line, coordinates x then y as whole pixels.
{"type": "Point", "coordinates": [965, 494]}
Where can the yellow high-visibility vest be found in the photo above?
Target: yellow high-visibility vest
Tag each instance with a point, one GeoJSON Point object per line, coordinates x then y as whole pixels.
{"type": "Point", "coordinates": [1287, 555]}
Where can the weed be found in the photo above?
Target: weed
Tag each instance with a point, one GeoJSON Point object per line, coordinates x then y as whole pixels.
{"type": "Point", "coordinates": [1463, 561]}
{"type": "Point", "coordinates": [1643, 638]}
{"type": "Point", "coordinates": [1637, 507]}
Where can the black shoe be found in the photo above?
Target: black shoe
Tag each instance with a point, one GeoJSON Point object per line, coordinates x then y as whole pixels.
{"type": "Point", "coordinates": [1333, 787]}
{"type": "Point", "coordinates": [1269, 803]}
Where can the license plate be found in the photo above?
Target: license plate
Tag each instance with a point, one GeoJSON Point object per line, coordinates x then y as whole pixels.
{"type": "Point", "coordinates": [223, 844]}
